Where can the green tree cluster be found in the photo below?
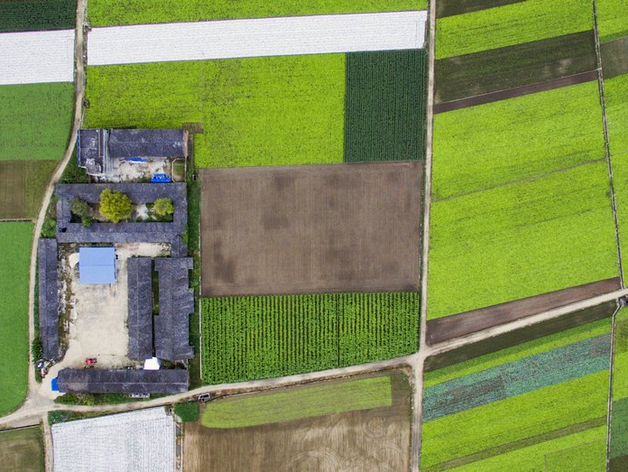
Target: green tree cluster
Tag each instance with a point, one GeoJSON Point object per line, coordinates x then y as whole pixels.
{"type": "Point", "coordinates": [115, 206]}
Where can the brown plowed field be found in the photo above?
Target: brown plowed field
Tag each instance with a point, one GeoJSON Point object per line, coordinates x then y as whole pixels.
{"type": "Point", "coordinates": [515, 92]}
{"type": "Point", "coordinates": [311, 229]}
{"type": "Point", "coordinates": [367, 440]}
{"type": "Point", "coordinates": [614, 57]}
{"type": "Point", "coordinates": [463, 324]}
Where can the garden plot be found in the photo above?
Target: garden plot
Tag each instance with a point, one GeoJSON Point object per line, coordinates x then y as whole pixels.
{"type": "Point", "coordinates": [522, 407]}
{"type": "Point", "coordinates": [14, 267]}
{"type": "Point", "coordinates": [377, 438]}
{"type": "Point", "coordinates": [511, 24]}
{"type": "Point", "coordinates": [141, 441]}
{"type": "Point", "coordinates": [256, 38]}
{"type": "Point", "coordinates": [22, 187]}
{"type": "Point", "coordinates": [247, 338]}
{"type": "Point", "coordinates": [309, 229]}
{"type": "Point", "coordinates": [37, 57]}
{"type": "Point", "coordinates": [250, 109]}
{"type": "Point", "coordinates": [117, 12]}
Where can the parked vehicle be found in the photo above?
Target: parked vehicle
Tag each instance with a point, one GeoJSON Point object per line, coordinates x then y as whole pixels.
{"type": "Point", "coordinates": [91, 360]}
{"type": "Point", "coordinates": [204, 397]}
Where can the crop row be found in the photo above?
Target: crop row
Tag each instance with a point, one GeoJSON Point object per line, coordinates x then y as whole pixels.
{"type": "Point", "coordinates": [385, 106]}
{"type": "Point", "coordinates": [539, 407]}
{"type": "Point", "coordinates": [257, 337]}
{"type": "Point", "coordinates": [37, 15]}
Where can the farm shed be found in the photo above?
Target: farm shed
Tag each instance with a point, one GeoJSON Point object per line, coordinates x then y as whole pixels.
{"type": "Point", "coordinates": [139, 441]}
{"type": "Point", "coordinates": [146, 232]}
{"type": "Point", "coordinates": [48, 297]}
{"type": "Point", "coordinates": [140, 320]}
{"type": "Point", "coordinates": [99, 151]}
{"type": "Point", "coordinates": [123, 381]}
{"type": "Point", "coordinates": [176, 303]}
{"type": "Point", "coordinates": [97, 265]}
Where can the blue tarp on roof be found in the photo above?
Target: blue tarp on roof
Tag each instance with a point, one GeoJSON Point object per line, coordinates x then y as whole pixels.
{"type": "Point", "coordinates": [97, 265]}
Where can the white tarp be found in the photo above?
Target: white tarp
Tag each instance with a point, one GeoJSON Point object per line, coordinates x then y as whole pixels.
{"type": "Point", "coordinates": [37, 57]}
{"type": "Point", "coordinates": [141, 441]}
{"type": "Point", "coordinates": [256, 37]}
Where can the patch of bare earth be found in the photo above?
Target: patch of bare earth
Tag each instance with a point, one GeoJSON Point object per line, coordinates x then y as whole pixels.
{"type": "Point", "coordinates": [377, 439]}
{"type": "Point", "coordinates": [311, 229]}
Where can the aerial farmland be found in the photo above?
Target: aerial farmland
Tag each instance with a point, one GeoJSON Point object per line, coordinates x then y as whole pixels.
{"type": "Point", "coordinates": [287, 235]}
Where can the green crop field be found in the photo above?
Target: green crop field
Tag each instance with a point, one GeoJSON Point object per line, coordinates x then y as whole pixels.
{"type": "Point", "coordinates": [118, 12]}
{"type": "Point", "coordinates": [36, 120]}
{"type": "Point", "coordinates": [616, 98]}
{"type": "Point", "coordinates": [514, 66]}
{"type": "Point", "coordinates": [37, 15]}
{"type": "Point", "coordinates": [532, 409]}
{"type": "Point", "coordinates": [509, 215]}
{"type": "Point", "coordinates": [14, 267]}
{"type": "Point", "coordinates": [22, 186]}
{"type": "Point", "coordinates": [620, 181]}
{"type": "Point", "coordinates": [385, 106]}
{"type": "Point", "coordinates": [481, 147]}
{"type": "Point", "coordinates": [247, 338]}
{"type": "Point", "coordinates": [619, 418]}
{"type": "Point", "coordinates": [611, 19]}
{"type": "Point", "coordinates": [22, 450]}
{"type": "Point", "coordinates": [512, 24]}
{"type": "Point", "coordinates": [261, 111]}
{"type": "Point", "coordinates": [297, 403]}
{"type": "Point", "coordinates": [520, 240]}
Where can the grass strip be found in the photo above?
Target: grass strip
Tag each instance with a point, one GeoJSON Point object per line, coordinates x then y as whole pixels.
{"type": "Point", "coordinates": [615, 93]}
{"type": "Point", "coordinates": [385, 106]}
{"type": "Point", "coordinates": [117, 12]}
{"type": "Point", "coordinates": [14, 270]}
{"type": "Point", "coordinates": [611, 19]}
{"type": "Point", "coordinates": [512, 24]}
{"type": "Point", "coordinates": [298, 403]}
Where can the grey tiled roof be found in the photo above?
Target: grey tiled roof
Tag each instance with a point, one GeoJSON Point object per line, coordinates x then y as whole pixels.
{"type": "Point", "coordinates": [140, 321]}
{"type": "Point", "coordinates": [123, 381]}
{"type": "Point", "coordinates": [147, 143]}
{"type": "Point", "coordinates": [176, 303]}
{"type": "Point", "coordinates": [149, 232]}
{"type": "Point", "coordinates": [48, 297]}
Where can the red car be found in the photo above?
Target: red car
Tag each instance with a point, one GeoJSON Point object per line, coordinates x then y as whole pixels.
{"type": "Point", "coordinates": [90, 360]}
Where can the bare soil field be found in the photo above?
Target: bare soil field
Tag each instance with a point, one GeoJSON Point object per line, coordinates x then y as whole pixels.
{"type": "Point", "coordinates": [519, 336]}
{"type": "Point", "coordinates": [22, 450]}
{"type": "Point", "coordinates": [614, 57]}
{"type": "Point", "coordinates": [515, 92]}
{"type": "Point", "coordinates": [509, 67]}
{"type": "Point", "coordinates": [463, 324]}
{"type": "Point", "coordinates": [458, 7]}
{"type": "Point", "coordinates": [310, 229]}
{"type": "Point", "coordinates": [377, 439]}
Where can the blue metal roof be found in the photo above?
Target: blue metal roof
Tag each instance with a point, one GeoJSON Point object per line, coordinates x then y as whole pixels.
{"type": "Point", "coordinates": [97, 265]}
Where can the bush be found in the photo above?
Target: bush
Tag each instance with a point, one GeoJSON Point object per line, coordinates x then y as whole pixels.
{"type": "Point", "coordinates": [115, 206]}
{"type": "Point", "coordinates": [37, 349]}
{"type": "Point", "coordinates": [163, 207]}
{"type": "Point", "coordinates": [87, 221]}
{"type": "Point", "coordinates": [189, 412]}
{"type": "Point", "coordinates": [49, 229]}
{"type": "Point", "coordinates": [73, 174]}
{"type": "Point", "coordinates": [80, 207]}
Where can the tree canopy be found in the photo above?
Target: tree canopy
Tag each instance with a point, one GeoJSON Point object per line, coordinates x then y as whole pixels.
{"type": "Point", "coordinates": [115, 206]}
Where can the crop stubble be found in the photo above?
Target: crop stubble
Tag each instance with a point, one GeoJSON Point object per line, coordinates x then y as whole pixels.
{"type": "Point", "coordinates": [311, 229]}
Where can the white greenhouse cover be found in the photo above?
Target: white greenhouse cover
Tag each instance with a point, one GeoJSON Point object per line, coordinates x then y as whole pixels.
{"type": "Point", "coordinates": [284, 36]}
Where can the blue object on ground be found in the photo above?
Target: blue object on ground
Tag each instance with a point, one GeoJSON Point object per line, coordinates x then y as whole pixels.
{"type": "Point", "coordinates": [160, 178]}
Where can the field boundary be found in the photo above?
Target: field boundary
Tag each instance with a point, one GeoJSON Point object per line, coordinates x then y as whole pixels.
{"type": "Point", "coordinates": [607, 147]}
{"type": "Point", "coordinates": [515, 92]}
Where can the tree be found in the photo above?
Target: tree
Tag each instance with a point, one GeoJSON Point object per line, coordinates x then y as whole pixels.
{"type": "Point", "coordinates": [163, 207]}
{"type": "Point", "coordinates": [80, 208]}
{"type": "Point", "coordinates": [115, 206]}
